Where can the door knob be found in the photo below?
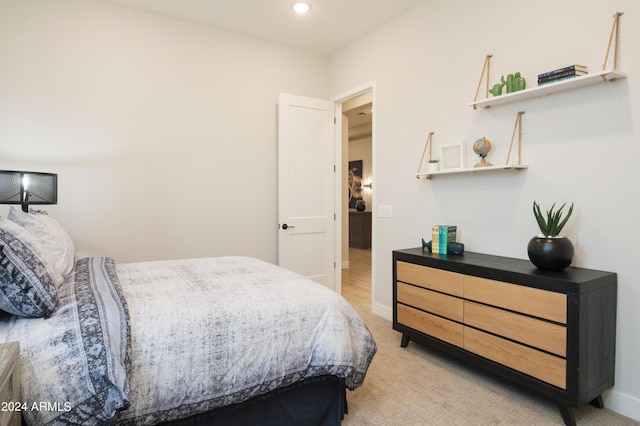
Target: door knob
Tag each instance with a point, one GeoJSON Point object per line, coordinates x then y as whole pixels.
{"type": "Point", "coordinates": [285, 226]}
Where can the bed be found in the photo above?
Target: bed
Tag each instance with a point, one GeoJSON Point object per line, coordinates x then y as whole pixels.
{"type": "Point", "coordinates": [191, 341]}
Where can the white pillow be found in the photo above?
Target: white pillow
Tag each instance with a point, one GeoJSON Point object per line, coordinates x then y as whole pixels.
{"type": "Point", "coordinates": [51, 235]}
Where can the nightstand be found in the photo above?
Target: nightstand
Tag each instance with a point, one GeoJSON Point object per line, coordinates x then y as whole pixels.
{"type": "Point", "coordinates": [10, 414]}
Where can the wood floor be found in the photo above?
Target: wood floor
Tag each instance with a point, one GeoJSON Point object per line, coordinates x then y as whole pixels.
{"type": "Point", "coordinates": [356, 280]}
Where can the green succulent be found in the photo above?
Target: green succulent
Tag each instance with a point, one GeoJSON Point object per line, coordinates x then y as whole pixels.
{"type": "Point", "coordinates": [553, 223]}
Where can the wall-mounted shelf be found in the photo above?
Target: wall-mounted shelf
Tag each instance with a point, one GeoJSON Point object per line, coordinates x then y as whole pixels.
{"type": "Point", "coordinates": [551, 88]}
{"type": "Point", "coordinates": [472, 170]}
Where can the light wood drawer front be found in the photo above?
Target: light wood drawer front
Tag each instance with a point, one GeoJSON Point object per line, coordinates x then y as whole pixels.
{"type": "Point", "coordinates": [543, 366]}
{"type": "Point", "coordinates": [533, 332]}
{"type": "Point", "coordinates": [434, 279]}
{"type": "Point", "coordinates": [432, 325]}
{"type": "Point", "coordinates": [427, 300]}
{"type": "Point", "coordinates": [532, 301]}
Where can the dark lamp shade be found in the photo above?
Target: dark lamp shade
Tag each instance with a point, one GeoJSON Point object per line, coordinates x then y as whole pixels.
{"type": "Point", "coordinates": [27, 188]}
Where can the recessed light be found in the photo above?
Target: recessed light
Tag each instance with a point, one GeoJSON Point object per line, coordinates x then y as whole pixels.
{"type": "Point", "coordinates": [301, 7]}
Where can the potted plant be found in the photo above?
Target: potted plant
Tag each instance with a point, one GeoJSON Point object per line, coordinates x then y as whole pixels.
{"type": "Point", "coordinates": [361, 205]}
{"type": "Point", "coordinates": [550, 250]}
{"type": "Point", "coordinates": [433, 165]}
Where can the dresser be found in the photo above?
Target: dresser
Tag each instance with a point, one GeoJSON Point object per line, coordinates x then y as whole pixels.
{"type": "Point", "coordinates": [551, 332]}
{"type": "Point", "coordinates": [360, 229]}
{"type": "Point", "coordinates": [10, 408]}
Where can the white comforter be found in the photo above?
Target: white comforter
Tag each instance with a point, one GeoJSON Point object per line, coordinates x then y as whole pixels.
{"type": "Point", "coordinates": [205, 333]}
{"type": "Point", "coordinates": [210, 332]}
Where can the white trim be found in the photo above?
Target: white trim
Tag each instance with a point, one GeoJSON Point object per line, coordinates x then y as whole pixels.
{"type": "Point", "coordinates": [344, 96]}
{"type": "Point", "coordinates": [338, 100]}
{"type": "Point", "coordinates": [382, 311]}
{"type": "Point", "coordinates": [621, 403]}
{"type": "Point", "coordinates": [337, 204]}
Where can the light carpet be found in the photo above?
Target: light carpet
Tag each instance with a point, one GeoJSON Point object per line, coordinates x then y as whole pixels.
{"type": "Point", "coordinates": [419, 386]}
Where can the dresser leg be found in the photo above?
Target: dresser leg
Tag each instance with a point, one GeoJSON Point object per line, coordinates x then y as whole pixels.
{"type": "Point", "coordinates": [567, 414]}
{"type": "Point", "coordinates": [598, 402]}
{"type": "Point", "coordinates": [405, 341]}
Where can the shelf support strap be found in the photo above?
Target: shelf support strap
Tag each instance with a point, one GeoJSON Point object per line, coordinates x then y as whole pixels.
{"type": "Point", "coordinates": [485, 67]}
{"type": "Point", "coordinates": [518, 127]}
{"type": "Point", "coordinates": [613, 38]}
{"type": "Point", "coordinates": [429, 144]}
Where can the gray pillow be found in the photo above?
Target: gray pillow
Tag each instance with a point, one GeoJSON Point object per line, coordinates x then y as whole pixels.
{"type": "Point", "coordinates": [51, 235]}
{"type": "Point", "coordinates": [28, 282]}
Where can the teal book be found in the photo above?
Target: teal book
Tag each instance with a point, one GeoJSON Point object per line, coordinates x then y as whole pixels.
{"type": "Point", "coordinates": [446, 234]}
{"type": "Point", "coordinates": [441, 236]}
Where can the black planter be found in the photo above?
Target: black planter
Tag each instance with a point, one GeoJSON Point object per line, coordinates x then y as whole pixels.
{"type": "Point", "coordinates": [550, 254]}
{"type": "Point", "coordinates": [360, 207]}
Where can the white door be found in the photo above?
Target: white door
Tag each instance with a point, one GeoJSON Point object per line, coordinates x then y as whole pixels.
{"type": "Point", "coordinates": [306, 187]}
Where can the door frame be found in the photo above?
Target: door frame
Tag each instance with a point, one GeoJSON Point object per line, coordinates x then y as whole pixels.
{"type": "Point", "coordinates": [339, 202]}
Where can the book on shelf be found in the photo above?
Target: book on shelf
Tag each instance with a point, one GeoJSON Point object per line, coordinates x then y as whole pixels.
{"type": "Point", "coordinates": [435, 239]}
{"type": "Point", "coordinates": [555, 80]}
{"type": "Point", "coordinates": [576, 67]}
{"type": "Point", "coordinates": [572, 73]}
{"type": "Point", "coordinates": [441, 236]}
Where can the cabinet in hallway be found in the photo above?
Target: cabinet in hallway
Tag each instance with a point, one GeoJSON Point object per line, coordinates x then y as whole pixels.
{"type": "Point", "coordinates": [360, 229]}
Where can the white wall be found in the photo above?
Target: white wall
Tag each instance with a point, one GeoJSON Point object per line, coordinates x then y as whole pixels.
{"type": "Point", "coordinates": [581, 146]}
{"type": "Point", "coordinates": [163, 132]}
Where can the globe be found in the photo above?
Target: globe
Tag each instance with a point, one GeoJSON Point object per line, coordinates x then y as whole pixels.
{"type": "Point", "coordinates": [482, 147]}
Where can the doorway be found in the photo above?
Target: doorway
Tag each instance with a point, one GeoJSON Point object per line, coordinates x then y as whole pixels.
{"type": "Point", "coordinates": [356, 143]}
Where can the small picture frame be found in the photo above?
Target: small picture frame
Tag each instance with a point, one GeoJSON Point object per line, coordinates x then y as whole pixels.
{"type": "Point", "coordinates": [452, 157]}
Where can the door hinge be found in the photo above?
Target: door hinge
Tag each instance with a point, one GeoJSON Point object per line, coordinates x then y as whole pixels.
{"type": "Point", "coordinates": [334, 120]}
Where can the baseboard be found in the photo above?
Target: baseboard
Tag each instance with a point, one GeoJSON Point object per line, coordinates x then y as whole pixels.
{"type": "Point", "coordinates": [623, 404]}
{"type": "Point", "coordinates": [382, 311]}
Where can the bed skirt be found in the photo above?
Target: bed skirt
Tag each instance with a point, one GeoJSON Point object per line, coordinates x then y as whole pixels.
{"type": "Point", "coordinates": [314, 401]}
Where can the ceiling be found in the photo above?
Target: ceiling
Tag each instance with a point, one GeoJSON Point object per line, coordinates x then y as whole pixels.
{"type": "Point", "coordinates": [328, 27]}
{"type": "Point", "coordinates": [360, 121]}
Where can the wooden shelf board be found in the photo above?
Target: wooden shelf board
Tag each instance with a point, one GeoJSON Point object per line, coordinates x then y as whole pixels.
{"type": "Point", "coordinates": [473, 170]}
{"type": "Point", "coordinates": [549, 89]}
